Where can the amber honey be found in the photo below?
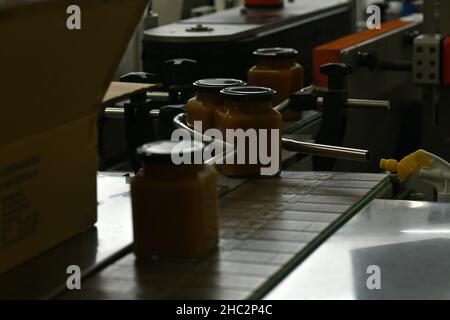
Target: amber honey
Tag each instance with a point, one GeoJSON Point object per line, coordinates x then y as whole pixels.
{"type": "Point", "coordinates": [276, 68]}
{"type": "Point", "coordinates": [207, 99]}
{"type": "Point", "coordinates": [175, 207]}
{"type": "Point", "coordinates": [248, 108]}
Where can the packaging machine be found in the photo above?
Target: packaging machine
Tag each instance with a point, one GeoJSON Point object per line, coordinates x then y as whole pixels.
{"type": "Point", "coordinates": [321, 229]}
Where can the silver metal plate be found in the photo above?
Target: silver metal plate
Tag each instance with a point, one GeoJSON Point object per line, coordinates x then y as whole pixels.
{"type": "Point", "coordinates": [408, 240]}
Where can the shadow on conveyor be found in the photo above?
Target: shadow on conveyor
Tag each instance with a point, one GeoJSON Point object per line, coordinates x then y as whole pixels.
{"type": "Point", "coordinates": [410, 270]}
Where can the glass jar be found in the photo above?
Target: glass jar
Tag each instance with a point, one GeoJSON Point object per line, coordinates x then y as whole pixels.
{"type": "Point", "coordinates": [276, 68]}
{"type": "Point", "coordinates": [207, 99]}
{"type": "Point", "coordinates": [249, 108]}
{"type": "Point", "coordinates": [175, 207]}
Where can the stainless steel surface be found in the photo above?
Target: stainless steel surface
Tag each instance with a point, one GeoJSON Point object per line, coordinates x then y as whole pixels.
{"type": "Point", "coordinates": [111, 238]}
{"type": "Point", "coordinates": [266, 226]}
{"type": "Point", "coordinates": [408, 240]}
{"type": "Point", "coordinates": [232, 24]}
{"type": "Point", "coordinates": [325, 150]}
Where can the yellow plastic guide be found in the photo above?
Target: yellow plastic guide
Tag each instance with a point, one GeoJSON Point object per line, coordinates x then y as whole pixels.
{"type": "Point", "coordinates": [411, 164]}
{"type": "Point", "coordinates": [427, 166]}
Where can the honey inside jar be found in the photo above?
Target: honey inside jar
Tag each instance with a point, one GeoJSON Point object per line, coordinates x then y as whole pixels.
{"type": "Point", "coordinates": [175, 207]}
{"type": "Point", "coordinates": [276, 68]}
{"type": "Point", "coordinates": [250, 108]}
{"type": "Point", "coordinates": [207, 99]}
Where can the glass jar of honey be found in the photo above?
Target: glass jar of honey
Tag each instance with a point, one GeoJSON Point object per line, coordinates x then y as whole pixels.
{"type": "Point", "coordinates": [207, 99]}
{"type": "Point", "coordinates": [276, 68]}
{"type": "Point", "coordinates": [250, 107]}
{"type": "Point", "coordinates": [175, 207]}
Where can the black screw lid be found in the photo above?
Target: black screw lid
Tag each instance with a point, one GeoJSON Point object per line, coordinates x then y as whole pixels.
{"type": "Point", "coordinates": [275, 53]}
{"type": "Point", "coordinates": [248, 93]}
{"type": "Point", "coordinates": [161, 151]}
{"type": "Point", "coordinates": [214, 85]}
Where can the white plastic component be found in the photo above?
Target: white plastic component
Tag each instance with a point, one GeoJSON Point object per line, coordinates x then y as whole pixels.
{"type": "Point", "coordinates": [427, 59]}
{"type": "Point", "coordinates": [438, 176]}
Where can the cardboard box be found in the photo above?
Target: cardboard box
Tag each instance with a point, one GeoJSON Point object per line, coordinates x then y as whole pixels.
{"type": "Point", "coordinates": [52, 82]}
{"type": "Point", "coordinates": [47, 189]}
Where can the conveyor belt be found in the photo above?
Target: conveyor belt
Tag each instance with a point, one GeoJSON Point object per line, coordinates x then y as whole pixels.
{"type": "Point", "coordinates": [268, 226]}
{"type": "Point", "coordinates": [45, 276]}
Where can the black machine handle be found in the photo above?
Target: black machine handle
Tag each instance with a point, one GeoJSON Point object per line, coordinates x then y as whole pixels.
{"type": "Point", "coordinates": [138, 125]}
{"type": "Point", "coordinates": [337, 75]}
{"type": "Point", "coordinates": [369, 59]}
{"type": "Point", "coordinates": [179, 75]}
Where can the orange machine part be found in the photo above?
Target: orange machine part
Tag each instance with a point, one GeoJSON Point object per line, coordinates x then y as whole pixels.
{"type": "Point", "coordinates": [331, 51]}
{"type": "Point", "coordinates": [446, 62]}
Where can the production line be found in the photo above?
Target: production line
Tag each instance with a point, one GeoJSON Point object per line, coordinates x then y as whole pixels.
{"type": "Point", "coordinates": [255, 149]}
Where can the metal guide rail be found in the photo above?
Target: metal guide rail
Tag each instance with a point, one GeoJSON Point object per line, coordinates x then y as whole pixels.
{"type": "Point", "coordinates": [267, 227]}
{"type": "Point", "coordinates": [407, 241]}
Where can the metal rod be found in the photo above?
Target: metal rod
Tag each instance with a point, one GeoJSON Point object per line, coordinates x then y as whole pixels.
{"type": "Point", "coordinates": [158, 95]}
{"type": "Point", "coordinates": [114, 112]}
{"type": "Point", "coordinates": [326, 150]}
{"type": "Point", "coordinates": [180, 122]}
{"type": "Point", "coordinates": [351, 104]}
{"type": "Point", "coordinates": [283, 105]}
{"type": "Point", "coordinates": [363, 104]}
{"type": "Point", "coordinates": [368, 104]}
{"type": "Point", "coordinates": [295, 146]}
{"type": "Point", "coordinates": [118, 112]}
